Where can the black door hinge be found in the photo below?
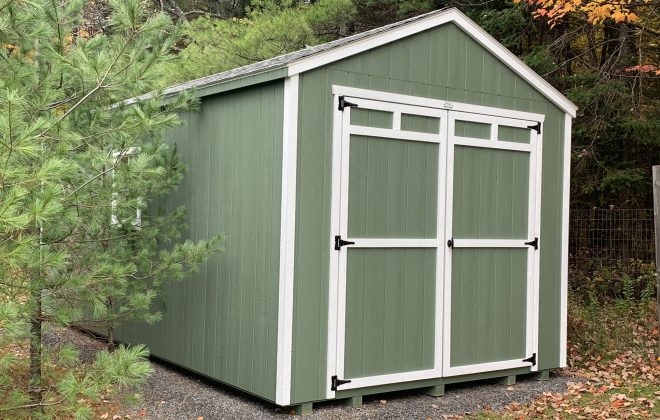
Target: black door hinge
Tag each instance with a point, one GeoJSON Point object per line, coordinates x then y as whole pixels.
{"type": "Point", "coordinates": [531, 360]}
{"type": "Point", "coordinates": [343, 103]}
{"type": "Point", "coordinates": [339, 242]}
{"type": "Point", "coordinates": [450, 243]}
{"type": "Point", "coordinates": [335, 382]}
{"type": "Point", "coordinates": [536, 127]}
{"type": "Point", "coordinates": [534, 243]}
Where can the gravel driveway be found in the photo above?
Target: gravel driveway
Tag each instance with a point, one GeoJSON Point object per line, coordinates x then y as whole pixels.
{"type": "Point", "coordinates": [171, 393]}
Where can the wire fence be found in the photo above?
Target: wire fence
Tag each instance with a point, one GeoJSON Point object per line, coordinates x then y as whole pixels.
{"type": "Point", "coordinates": [600, 238]}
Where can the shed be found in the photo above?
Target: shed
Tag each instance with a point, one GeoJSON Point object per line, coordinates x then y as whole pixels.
{"type": "Point", "coordinates": [395, 207]}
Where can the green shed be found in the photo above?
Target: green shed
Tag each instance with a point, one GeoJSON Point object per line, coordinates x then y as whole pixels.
{"type": "Point", "coordinates": [395, 208]}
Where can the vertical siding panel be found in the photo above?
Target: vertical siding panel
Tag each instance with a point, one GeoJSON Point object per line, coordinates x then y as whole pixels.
{"type": "Point", "coordinates": [247, 277]}
{"type": "Point", "coordinates": [393, 322]}
{"type": "Point", "coordinates": [236, 270]}
{"type": "Point", "coordinates": [227, 178]}
{"type": "Point", "coordinates": [474, 72]}
{"type": "Point", "coordinates": [202, 232]}
{"type": "Point", "coordinates": [491, 79]}
{"type": "Point", "coordinates": [401, 59]}
{"type": "Point", "coordinates": [501, 317]}
{"type": "Point", "coordinates": [420, 58]}
{"type": "Point", "coordinates": [457, 58]}
{"type": "Point", "coordinates": [354, 304]}
{"type": "Point", "coordinates": [189, 295]}
{"type": "Point", "coordinates": [551, 216]}
{"type": "Point", "coordinates": [262, 260]}
{"type": "Point", "coordinates": [310, 275]}
{"type": "Point", "coordinates": [507, 87]}
{"type": "Point", "coordinates": [213, 343]}
{"type": "Point", "coordinates": [277, 117]}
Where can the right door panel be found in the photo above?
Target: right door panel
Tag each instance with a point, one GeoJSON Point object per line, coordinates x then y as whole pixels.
{"type": "Point", "coordinates": [491, 291]}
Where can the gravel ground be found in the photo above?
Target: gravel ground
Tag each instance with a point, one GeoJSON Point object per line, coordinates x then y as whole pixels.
{"type": "Point", "coordinates": [171, 393]}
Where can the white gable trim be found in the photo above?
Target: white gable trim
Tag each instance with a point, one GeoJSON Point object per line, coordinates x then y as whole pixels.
{"type": "Point", "coordinates": [435, 20]}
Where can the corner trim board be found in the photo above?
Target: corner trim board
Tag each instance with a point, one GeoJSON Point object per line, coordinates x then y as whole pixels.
{"type": "Point", "coordinates": [287, 241]}
{"type": "Point", "coordinates": [563, 317]}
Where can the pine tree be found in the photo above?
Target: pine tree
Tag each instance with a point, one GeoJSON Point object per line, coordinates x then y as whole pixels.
{"type": "Point", "coordinates": [81, 172]}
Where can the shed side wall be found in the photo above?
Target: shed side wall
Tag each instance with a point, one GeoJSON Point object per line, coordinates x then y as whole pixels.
{"type": "Point", "coordinates": [442, 63]}
{"type": "Point", "coordinates": [223, 322]}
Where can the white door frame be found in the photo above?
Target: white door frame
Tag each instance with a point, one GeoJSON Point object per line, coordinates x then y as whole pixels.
{"type": "Point", "coordinates": [533, 228]}
{"type": "Point", "coordinates": [398, 104]}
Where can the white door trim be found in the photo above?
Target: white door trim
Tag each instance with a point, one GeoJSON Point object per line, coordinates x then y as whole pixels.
{"type": "Point", "coordinates": [436, 104]}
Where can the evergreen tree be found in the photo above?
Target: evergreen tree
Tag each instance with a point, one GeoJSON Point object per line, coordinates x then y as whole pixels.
{"type": "Point", "coordinates": [271, 28]}
{"type": "Point", "coordinates": [81, 235]}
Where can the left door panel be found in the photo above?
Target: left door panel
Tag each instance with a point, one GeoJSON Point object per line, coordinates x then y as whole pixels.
{"type": "Point", "coordinates": [389, 214]}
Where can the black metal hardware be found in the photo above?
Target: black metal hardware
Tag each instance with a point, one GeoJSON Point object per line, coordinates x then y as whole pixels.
{"type": "Point", "coordinates": [536, 127]}
{"type": "Point", "coordinates": [343, 103]}
{"type": "Point", "coordinates": [450, 243]}
{"type": "Point", "coordinates": [531, 360]}
{"type": "Point", "coordinates": [339, 242]}
{"type": "Point", "coordinates": [534, 243]}
{"type": "Point", "coordinates": [335, 382]}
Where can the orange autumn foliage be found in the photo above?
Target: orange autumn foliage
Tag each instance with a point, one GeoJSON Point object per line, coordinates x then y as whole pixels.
{"type": "Point", "coordinates": [596, 11]}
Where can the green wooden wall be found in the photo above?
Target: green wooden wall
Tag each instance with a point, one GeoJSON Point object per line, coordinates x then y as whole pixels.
{"type": "Point", "coordinates": [441, 63]}
{"type": "Point", "coordinates": [223, 322]}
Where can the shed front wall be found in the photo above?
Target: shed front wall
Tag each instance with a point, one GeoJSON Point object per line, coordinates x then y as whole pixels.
{"type": "Point", "coordinates": [222, 323]}
{"type": "Point", "coordinates": [442, 63]}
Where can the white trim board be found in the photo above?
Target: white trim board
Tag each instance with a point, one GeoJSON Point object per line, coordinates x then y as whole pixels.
{"type": "Point", "coordinates": [287, 241]}
{"type": "Point", "coordinates": [437, 104]}
{"type": "Point", "coordinates": [432, 21]}
{"type": "Point", "coordinates": [563, 317]}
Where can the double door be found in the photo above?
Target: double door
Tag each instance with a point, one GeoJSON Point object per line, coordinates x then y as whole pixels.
{"type": "Point", "coordinates": [434, 265]}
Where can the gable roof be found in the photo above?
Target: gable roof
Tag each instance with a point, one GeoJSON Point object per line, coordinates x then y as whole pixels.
{"type": "Point", "coordinates": [312, 57]}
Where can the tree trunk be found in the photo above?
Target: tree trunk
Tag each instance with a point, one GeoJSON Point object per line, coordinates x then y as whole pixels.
{"type": "Point", "coordinates": [36, 389]}
{"type": "Point", "coordinates": [110, 327]}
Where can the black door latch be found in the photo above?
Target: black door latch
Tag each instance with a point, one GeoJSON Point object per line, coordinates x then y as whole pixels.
{"type": "Point", "coordinates": [450, 243]}
{"type": "Point", "coordinates": [335, 382]}
{"type": "Point", "coordinates": [339, 242]}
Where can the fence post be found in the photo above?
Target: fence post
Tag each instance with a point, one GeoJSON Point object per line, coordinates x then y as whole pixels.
{"type": "Point", "coordinates": [656, 214]}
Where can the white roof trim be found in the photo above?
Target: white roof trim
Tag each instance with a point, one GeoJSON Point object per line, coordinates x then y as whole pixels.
{"type": "Point", "coordinates": [432, 21]}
